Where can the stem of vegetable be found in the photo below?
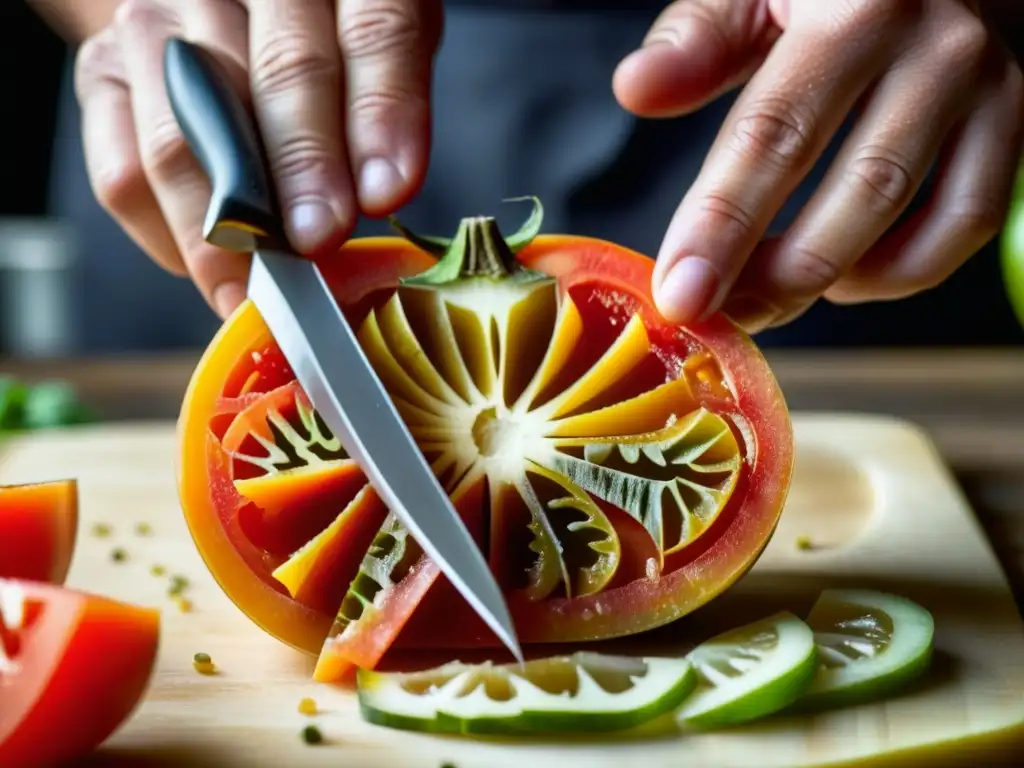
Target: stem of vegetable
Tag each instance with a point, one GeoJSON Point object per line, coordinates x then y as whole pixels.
{"type": "Point", "coordinates": [477, 250]}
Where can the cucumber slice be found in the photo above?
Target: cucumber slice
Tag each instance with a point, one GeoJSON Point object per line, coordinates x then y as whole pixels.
{"type": "Point", "coordinates": [869, 644]}
{"type": "Point", "coordinates": [582, 692]}
{"type": "Point", "coordinates": [750, 672]}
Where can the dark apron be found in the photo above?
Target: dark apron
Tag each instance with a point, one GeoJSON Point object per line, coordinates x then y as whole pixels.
{"type": "Point", "coordinates": [523, 105]}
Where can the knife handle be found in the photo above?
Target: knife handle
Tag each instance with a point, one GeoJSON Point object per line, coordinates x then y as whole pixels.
{"type": "Point", "coordinates": [222, 135]}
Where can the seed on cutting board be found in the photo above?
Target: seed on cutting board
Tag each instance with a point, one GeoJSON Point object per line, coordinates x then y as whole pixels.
{"type": "Point", "coordinates": [178, 584]}
{"type": "Point", "coordinates": [118, 555]}
{"type": "Point", "coordinates": [184, 605]}
{"type": "Point", "coordinates": [203, 664]}
{"type": "Point", "coordinates": [307, 706]}
{"type": "Point", "coordinates": [144, 529]}
{"type": "Point", "coordinates": [804, 542]}
{"type": "Point", "coordinates": [311, 735]}
{"type": "Point", "coordinates": [158, 570]}
{"type": "Point", "coordinates": [101, 530]}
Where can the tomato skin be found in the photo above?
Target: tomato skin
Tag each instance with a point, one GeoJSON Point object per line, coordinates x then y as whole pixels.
{"type": "Point", "coordinates": [84, 665]}
{"type": "Point", "coordinates": [700, 572]}
{"type": "Point", "coordinates": [38, 530]}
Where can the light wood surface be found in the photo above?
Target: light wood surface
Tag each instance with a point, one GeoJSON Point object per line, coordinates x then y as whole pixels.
{"type": "Point", "coordinates": [871, 493]}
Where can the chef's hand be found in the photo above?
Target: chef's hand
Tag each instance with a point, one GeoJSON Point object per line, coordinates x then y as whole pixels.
{"type": "Point", "coordinates": [341, 96]}
{"type": "Point", "coordinates": [931, 82]}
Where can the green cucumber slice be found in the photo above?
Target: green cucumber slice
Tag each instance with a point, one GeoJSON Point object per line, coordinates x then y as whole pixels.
{"type": "Point", "coordinates": [749, 672]}
{"type": "Point", "coordinates": [869, 644]}
{"type": "Point", "coordinates": [577, 693]}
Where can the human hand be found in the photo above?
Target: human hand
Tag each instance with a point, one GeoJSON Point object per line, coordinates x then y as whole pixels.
{"type": "Point", "coordinates": [931, 82]}
{"type": "Point", "coordinates": [341, 98]}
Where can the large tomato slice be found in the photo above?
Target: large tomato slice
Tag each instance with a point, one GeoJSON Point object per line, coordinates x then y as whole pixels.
{"type": "Point", "coordinates": [72, 668]}
{"type": "Point", "coordinates": [618, 471]}
{"type": "Point", "coordinates": [38, 528]}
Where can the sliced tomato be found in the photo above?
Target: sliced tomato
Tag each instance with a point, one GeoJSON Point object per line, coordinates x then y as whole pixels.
{"type": "Point", "coordinates": [38, 528]}
{"type": "Point", "coordinates": [73, 667]}
{"type": "Point", "coordinates": [693, 415]}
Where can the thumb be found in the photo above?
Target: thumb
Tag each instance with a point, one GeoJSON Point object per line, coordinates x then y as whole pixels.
{"type": "Point", "coordinates": [695, 51]}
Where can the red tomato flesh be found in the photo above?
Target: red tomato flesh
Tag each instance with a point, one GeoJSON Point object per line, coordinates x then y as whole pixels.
{"type": "Point", "coordinates": [38, 529]}
{"type": "Point", "coordinates": [73, 668]}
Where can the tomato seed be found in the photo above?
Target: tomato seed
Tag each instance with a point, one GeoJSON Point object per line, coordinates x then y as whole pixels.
{"type": "Point", "coordinates": [144, 529]}
{"type": "Point", "coordinates": [101, 530]}
{"type": "Point", "coordinates": [307, 706]}
{"type": "Point", "coordinates": [311, 735]}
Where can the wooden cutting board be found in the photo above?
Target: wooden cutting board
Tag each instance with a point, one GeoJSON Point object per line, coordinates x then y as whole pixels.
{"type": "Point", "coordinates": [871, 493]}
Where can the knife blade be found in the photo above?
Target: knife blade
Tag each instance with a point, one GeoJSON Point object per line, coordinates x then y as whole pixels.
{"type": "Point", "coordinates": [316, 339]}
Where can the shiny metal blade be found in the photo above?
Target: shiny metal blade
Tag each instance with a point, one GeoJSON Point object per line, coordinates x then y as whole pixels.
{"type": "Point", "coordinates": [332, 368]}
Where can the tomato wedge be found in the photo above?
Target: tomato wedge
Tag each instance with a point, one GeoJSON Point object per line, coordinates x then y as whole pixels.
{"type": "Point", "coordinates": [72, 668]}
{"type": "Point", "coordinates": [38, 529]}
{"type": "Point", "coordinates": [617, 471]}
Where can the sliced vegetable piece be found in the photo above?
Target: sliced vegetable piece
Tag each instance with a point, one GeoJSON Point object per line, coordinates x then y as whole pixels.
{"type": "Point", "coordinates": [73, 667]}
{"type": "Point", "coordinates": [582, 692]}
{"type": "Point", "coordinates": [750, 672]}
{"type": "Point", "coordinates": [629, 470]}
{"type": "Point", "coordinates": [38, 529]}
{"type": "Point", "coordinates": [870, 644]}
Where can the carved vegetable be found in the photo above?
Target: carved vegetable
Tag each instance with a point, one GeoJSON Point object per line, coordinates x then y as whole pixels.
{"type": "Point", "coordinates": [617, 471]}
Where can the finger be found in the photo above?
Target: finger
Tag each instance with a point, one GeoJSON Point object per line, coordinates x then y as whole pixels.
{"type": "Point", "coordinates": [775, 131]}
{"type": "Point", "coordinates": [112, 153]}
{"type": "Point", "coordinates": [388, 48]}
{"type": "Point", "coordinates": [695, 51]}
{"type": "Point", "coordinates": [965, 211]}
{"type": "Point", "coordinates": [876, 173]}
{"type": "Point", "coordinates": [177, 179]}
{"type": "Point", "coordinates": [295, 71]}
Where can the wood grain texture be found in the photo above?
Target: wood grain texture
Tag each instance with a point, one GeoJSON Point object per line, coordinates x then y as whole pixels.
{"type": "Point", "coordinates": [871, 493]}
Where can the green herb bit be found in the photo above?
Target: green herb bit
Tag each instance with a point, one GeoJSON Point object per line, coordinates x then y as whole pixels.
{"type": "Point", "coordinates": [102, 530]}
{"type": "Point", "coordinates": [178, 585]}
{"type": "Point", "coordinates": [158, 570]}
{"type": "Point", "coordinates": [118, 555]}
{"type": "Point", "coordinates": [202, 658]}
{"type": "Point", "coordinates": [804, 543]}
{"type": "Point", "coordinates": [311, 735]}
{"type": "Point", "coordinates": [144, 529]}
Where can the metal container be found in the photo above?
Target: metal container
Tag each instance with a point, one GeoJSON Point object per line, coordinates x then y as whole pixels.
{"type": "Point", "coordinates": [38, 259]}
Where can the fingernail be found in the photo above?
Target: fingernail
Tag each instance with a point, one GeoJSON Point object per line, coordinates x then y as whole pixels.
{"type": "Point", "coordinates": [379, 183]}
{"type": "Point", "coordinates": [750, 313]}
{"type": "Point", "coordinates": [687, 291]}
{"type": "Point", "coordinates": [311, 223]}
{"type": "Point", "coordinates": [227, 297]}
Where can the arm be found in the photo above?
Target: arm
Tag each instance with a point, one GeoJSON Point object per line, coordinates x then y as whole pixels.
{"type": "Point", "coordinates": [75, 20]}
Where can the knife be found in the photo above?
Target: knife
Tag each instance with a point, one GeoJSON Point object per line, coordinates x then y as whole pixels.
{"type": "Point", "coordinates": [314, 336]}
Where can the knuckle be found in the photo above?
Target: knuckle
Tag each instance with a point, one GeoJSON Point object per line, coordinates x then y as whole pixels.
{"type": "Point", "coordinates": [165, 153]}
{"type": "Point", "coordinates": [979, 219]}
{"type": "Point", "coordinates": [726, 213]}
{"type": "Point", "coordinates": [140, 14]}
{"type": "Point", "coordinates": [884, 176]}
{"type": "Point", "coordinates": [776, 132]}
{"type": "Point", "coordinates": [300, 155]}
{"type": "Point", "coordinates": [379, 28]}
{"type": "Point", "coordinates": [380, 104]}
{"type": "Point", "coordinates": [810, 272]}
{"type": "Point", "coordinates": [288, 61]}
{"type": "Point", "coordinates": [963, 45]}
{"type": "Point", "coordinates": [866, 17]}
{"type": "Point", "coordinates": [98, 59]}
{"type": "Point", "coordinates": [118, 183]}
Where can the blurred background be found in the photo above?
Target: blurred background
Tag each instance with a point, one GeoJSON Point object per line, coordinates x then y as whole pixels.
{"type": "Point", "coordinates": [56, 301]}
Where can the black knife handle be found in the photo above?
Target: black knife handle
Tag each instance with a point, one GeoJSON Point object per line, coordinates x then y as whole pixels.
{"type": "Point", "coordinates": [222, 135]}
